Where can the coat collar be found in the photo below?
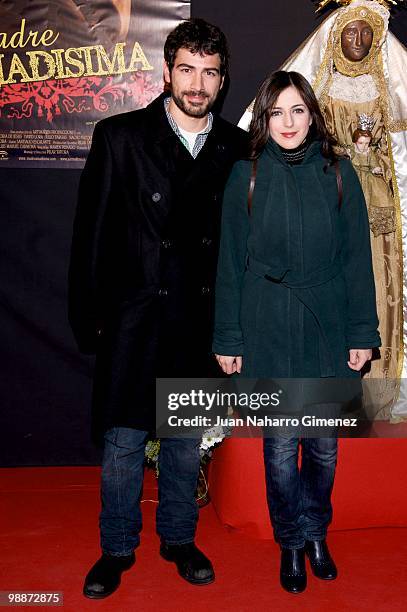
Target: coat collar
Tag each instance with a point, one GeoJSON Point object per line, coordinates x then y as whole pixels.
{"type": "Point", "coordinates": [273, 150]}
{"type": "Point", "coordinates": [158, 125]}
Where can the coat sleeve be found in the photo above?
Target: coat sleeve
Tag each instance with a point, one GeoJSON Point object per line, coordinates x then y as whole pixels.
{"type": "Point", "coordinates": [228, 338]}
{"type": "Point", "coordinates": [94, 200]}
{"type": "Point", "coordinates": [362, 321]}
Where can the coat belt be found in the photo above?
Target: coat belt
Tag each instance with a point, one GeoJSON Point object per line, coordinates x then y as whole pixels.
{"type": "Point", "coordinates": [288, 278]}
{"type": "Point", "coordinates": [302, 289]}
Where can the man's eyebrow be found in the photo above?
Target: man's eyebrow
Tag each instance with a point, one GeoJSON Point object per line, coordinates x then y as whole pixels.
{"type": "Point", "coordinates": [183, 65]}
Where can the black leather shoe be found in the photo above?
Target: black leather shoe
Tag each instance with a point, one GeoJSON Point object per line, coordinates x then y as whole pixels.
{"type": "Point", "coordinates": [191, 563]}
{"type": "Point", "coordinates": [104, 577]}
{"type": "Point", "coordinates": [293, 576]}
{"type": "Point", "coordinates": [322, 564]}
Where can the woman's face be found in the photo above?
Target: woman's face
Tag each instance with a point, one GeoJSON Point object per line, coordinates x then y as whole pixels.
{"type": "Point", "coordinates": [290, 119]}
{"type": "Point", "coordinates": [356, 40]}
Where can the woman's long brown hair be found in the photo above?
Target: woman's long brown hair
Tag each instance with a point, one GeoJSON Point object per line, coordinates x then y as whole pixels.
{"type": "Point", "coordinates": [266, 99]}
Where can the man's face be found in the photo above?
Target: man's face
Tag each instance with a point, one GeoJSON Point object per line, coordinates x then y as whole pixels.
{"type": "Point", "coordinates": [195, 82]}
{"type": "Point", "coordinates": [356, 40]}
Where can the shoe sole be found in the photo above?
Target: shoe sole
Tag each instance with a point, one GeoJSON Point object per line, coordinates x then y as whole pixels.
{"type": "Point", "coordinates": [322, 577]}
{"type": "Point", "coordinates": [193, 581]}
{"type": "Point", "coordinates": [298, 592]}
{"type": "Point", "coordinates": [101, 596]}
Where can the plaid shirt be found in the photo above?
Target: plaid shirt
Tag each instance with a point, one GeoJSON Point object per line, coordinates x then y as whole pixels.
{"type": "Point", "coordinates": [201, 137]}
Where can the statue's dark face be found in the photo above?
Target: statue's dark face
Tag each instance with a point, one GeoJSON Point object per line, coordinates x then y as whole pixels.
{"type": "Point", "coordinates": [356, 40]}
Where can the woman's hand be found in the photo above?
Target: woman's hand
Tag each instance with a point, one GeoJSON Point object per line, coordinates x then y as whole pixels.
{"type": "Point", "coordinates": [230, 364]}
{"type": "Point", "coordinates": [358, 358]}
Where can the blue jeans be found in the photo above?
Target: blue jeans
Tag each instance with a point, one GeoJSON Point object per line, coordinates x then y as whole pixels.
{"type": "Point", "coordinates": [299, 499]}
{"type": "Point", "coordinates": [121, 488]}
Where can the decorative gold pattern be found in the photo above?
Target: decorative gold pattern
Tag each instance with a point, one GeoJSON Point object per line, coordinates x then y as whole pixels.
{"type": "Point", "coordinates": [382, 220]}
{"type": "Point", "coordinates": [398, 126]}
{"type": "Point", "coordinates": [323, 79]}
{"type": "Point", "coordinates": [324, 3]}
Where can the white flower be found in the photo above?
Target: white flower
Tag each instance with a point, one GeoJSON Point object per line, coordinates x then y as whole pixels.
{"type": "Point", "coordinates": [211, 437]}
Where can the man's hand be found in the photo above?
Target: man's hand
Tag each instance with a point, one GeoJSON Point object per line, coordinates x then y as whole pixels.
{"type": "Point", "coordinates": [229, 364]}
{"type": "Point", "coordinates": [358, 358]}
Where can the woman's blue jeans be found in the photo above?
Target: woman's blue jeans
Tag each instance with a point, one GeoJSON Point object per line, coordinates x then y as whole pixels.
{"type": "Point", "coordinates": [121, 488]}
{"type": "Point", "coordinates": [299, 499]}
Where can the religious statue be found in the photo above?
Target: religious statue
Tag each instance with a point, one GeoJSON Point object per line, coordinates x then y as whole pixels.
{"type": "Point", "coordinates": [375, 177]}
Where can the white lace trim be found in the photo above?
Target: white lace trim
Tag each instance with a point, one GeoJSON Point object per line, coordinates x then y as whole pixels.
{"type": "Point", "coordinates": [353, 89]}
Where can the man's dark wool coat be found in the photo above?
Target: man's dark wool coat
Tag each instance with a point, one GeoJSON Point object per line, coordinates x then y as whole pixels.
{"type": "Point", "coordinates": [144, 254]}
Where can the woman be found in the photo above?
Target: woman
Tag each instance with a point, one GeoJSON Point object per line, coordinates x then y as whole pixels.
{"type": "Point", "coordinates": [358, 67]}
{"type": "Point", "coordinates": [295, 297]}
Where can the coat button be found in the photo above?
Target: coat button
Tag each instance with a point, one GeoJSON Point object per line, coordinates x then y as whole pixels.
{"type": "Point", "coordinates": [205, 290]}
{"type": "Point", "coordinates": [206, 241]}
{"type": "Point", "coordinates": [156, 197]}
{"type": "Point", "coordinates": [162, 292]}
{"type": "Point", "coordinates": [166, 244]}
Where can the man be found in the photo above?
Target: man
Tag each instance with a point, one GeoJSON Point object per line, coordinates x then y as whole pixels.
{"type": "Point", "coordinates": [141, 290]}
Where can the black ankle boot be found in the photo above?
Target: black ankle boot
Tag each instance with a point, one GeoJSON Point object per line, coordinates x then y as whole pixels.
{"type": "Point", "coordinates": [191, 563]}
{"type": "Point", "coordinates": [104, 577]}
{"type": "Point", "coordinates": [293, 577]}
{"type": "Point", "coordinates": [322, 564]}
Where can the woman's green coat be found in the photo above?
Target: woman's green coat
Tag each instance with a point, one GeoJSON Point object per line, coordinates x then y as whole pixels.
{"type": "Point", "coordinates": [295, 288]}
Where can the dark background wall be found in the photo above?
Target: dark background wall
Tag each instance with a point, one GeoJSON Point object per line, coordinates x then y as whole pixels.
{"type": "Point", "coordinates": [45, 384]}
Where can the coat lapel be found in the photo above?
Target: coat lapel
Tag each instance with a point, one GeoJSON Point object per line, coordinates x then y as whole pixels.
{"type": "Point", "coordinates": [210, 161]}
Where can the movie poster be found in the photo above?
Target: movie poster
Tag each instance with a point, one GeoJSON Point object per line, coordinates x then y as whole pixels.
{"type": "Point", "coordinates": [66, 64]}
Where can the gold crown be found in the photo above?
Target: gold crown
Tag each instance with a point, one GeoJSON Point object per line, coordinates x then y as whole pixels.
{"type": "Point", "coordinates": [385, 3]}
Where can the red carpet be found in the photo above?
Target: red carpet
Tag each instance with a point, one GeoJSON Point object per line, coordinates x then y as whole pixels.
{"type": "Point", "coordinates": [49, 539]}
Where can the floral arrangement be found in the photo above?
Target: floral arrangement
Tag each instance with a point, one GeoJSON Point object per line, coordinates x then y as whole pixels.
{"type": "Point", "coordinates": [210, 439]}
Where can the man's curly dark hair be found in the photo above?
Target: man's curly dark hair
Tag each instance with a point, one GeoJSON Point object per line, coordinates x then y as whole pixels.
{"type": "Point", "coordinates": [198, 36]}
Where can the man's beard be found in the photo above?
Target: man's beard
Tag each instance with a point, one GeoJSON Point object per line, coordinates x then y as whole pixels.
{"type": "Point", "coordinates": [199, 110]}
